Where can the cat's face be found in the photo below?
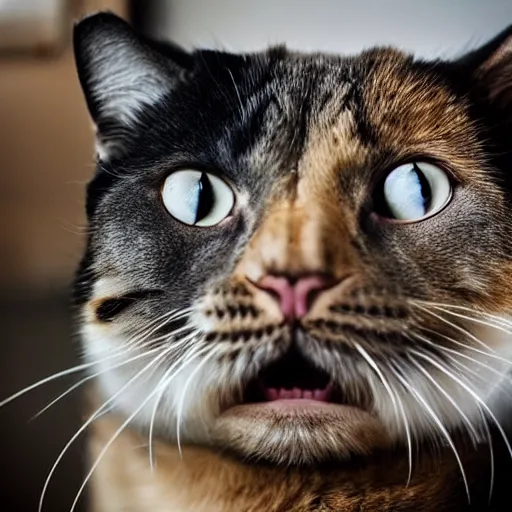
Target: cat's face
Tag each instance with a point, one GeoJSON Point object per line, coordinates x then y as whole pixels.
{"type": "Point", "coordinates": [297, 257]}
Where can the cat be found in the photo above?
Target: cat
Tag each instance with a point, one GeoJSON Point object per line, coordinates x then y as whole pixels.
{"type": "Point", "coordinates": [297, 280]}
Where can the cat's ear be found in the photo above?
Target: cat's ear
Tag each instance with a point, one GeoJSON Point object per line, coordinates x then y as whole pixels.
{"type": "Point", "coordinates": [490, 68]}
{"type": "Point", "coordinates": [121, 74]}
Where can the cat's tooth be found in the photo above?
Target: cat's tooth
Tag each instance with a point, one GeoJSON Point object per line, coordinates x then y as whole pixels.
{"type": "Point", "coordinates": [285, 393]}
{"type": "Point", "coordinates": [272, 394]}
{"type": "Point", "coordinates": [320, 395]}
{"type": "Point", "coordinates": [297, 393]}
{"type": "Point", "coordinates": [308, 394]}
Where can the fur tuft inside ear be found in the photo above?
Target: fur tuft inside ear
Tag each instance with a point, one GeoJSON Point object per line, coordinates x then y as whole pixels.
{"type": "Point", "coordinates": [491, 68]}
{"type": "Point", "coordinates": [121, 73]}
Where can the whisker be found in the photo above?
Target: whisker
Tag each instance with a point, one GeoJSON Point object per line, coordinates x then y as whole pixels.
{"type": "Point", "coordinates": [485, 424]}
{"type": "Point", "coordinates": [500, 383]}
{"type": "Point", "coordinates": [457, 327]}
{"type": "Point", "coordinates": [485, 420]}
{"type": "Point", "coordinates": [452, 354]}
{"type": "Point", "coordinates": [472, 393]}
{"type": "Point", "coordinates": [112, 354]}
{"type": "Point", "coordinates": [64, 373]}
{"type": "Point", "coordinates": [93, 376]}
{"type": "Point", "coordinates": [162, 386]}
{"type": "Point", "coordinates": [142, 339]}
{"type": "Point", "coordinates": [118, 432]}
{"type": "Point", "coordinates": [497, 319]}
{"type": "Point", "coordinates": [420, 399]}
{"type": "Point", "coordinates": [467, 347]}
{"type": "Point", "coordinates": [242, 111]}
{"type": "Point", "coordinates": [139, 338]}
{"type": "Point", "coordinates": [169, 336]}
{"type": "Point", "coordinates": [112, 173]}
{"type": "Point", "coordinates": [182, 397]}
{"type": "Point", "coordinates": [171, 316]}
{"type": "Point", "coordinates": [92, 418]}
{"type": "Point", "coordinates": [476, 320]}
{"type": "Point", "coordinates": [394, 400]}
{"type": "Point", "coordinates": [475, 361]}
{"type": "Point", "coordinates": [409, 438]}
{"type": "Point", "coordinates": [469, 424]}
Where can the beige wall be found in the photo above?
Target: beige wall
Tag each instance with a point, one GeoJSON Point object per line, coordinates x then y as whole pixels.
{"type": "Point", "coordinates": [46, 157]}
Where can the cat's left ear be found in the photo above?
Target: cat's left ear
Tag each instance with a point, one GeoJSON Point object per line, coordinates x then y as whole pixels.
{"type": "Point", "coordinates": [122, 74]}
{"type": "Point", "coordinates": [490, 68]}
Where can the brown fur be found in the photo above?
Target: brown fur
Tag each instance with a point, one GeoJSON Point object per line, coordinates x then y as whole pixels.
{"type": "Point", "coordinates": [202, 480]}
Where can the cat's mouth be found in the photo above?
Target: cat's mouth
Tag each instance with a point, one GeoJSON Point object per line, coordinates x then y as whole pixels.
{"type": "Point", "coordinates": [293, 377]}
{"type": "Point", "coordinates": [292, 411]}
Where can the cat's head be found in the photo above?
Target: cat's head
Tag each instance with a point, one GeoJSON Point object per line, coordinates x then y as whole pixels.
{"type": "Point", "coordinates": [297, 257]}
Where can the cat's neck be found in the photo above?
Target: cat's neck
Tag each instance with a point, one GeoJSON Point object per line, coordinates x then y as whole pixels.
{"type": "Point", "coordinates": [201, 480]}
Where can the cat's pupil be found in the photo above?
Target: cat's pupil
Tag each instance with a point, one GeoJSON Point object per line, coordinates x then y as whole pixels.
{"type": "Point", "coordinates": [426, 191]}
{"type": "Point", "coordinates": [205, 197]}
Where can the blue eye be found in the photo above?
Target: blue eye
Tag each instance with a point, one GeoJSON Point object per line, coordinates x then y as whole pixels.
{"type": "Point", "coordinates": [197, 198]}
{"type": "Point", "coordinates": [414, 191]}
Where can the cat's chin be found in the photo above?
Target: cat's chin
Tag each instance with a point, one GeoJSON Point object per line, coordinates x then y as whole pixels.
{"type": "Point", "coordinates": [299, 431]}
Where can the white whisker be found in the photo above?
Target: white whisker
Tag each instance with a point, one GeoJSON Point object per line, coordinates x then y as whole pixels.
{"type": "Point", "coordinates": [118, 432]}
{"type": "Point", "coordinates": [93, 376]}
{"type": "Point", "coordinates": [471, 392]}
{"type": "Point", "coordinates": [476, 320]}
{"type": "Point", "coordinates": [451, 354]}
{"type": "Point", "coordinates": [465, 346]}
{"type": "Point", "coordinates": [394, 400]}
{"type": "Point", "coordinates": [430, 378]}
{"type": "Point", "coordinates": [485, 424]}
{"type": "Point", "coordinates": [171, 335]}
{"type": "Point", "coordinates": [182, 397]}
{"type": "Point", "coordinates": [50, 378]}
{"type": "Point", "coordinates": [457, 327]}
{"type": "Point", "coordinates": [485, 419]}
{"type": "Point", "coordinates": [242, 111]}
{"type": "Point", "coordinates": [408, 436]}
{"type": "Point", "coordinates": [497, 319]}
{"type": "Point", "coordinates": [92, 418]}
{"type": "Point", "coordinates": [171, 316]}
{"type": "Point", "coordinates": [437, 421]}
{"type": "Point", "coordinates": [111, 354]}
{"type": "Point", "coordinates": [117, 352]}
{"type": "Point", "coordinates": [162, 387]}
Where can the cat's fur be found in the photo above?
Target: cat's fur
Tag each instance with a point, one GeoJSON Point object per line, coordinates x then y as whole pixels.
{"type": "Point", "coordinates": [305, 141]}
{"type": "Point", "coordinates": [200, 480]}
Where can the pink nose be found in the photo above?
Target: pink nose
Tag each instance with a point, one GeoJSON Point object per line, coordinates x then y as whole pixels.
{"type": "Point", "coordinates": [295, 297]}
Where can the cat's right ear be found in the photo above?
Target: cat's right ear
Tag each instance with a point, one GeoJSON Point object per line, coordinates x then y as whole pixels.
{"type": "Point", "coordinates": [121, 74]}
{"type": "Point", "coordinates": [490, 68]}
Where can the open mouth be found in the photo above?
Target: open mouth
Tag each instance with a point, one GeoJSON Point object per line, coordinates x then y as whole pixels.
{"type": "Point", "coordinates": [294, 412]}
{"type": "Point", "coordinates": [292, 377]}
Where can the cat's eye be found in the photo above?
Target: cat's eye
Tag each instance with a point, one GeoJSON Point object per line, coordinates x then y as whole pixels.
{"type": "Point", "coordinates": [414, 191]}
{"type": "Point", "coordinates": [197, 198]}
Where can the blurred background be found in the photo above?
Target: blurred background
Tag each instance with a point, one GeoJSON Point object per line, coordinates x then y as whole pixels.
{"type": "Point", "coordinates": [46, 154]}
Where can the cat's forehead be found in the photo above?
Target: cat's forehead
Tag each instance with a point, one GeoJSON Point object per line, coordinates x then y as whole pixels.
{"type": "Point", "coordinates": [376, 108]}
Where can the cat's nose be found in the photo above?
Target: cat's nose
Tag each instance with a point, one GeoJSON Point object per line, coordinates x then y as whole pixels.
{"type": "Point", "coordinates": [295, 296]}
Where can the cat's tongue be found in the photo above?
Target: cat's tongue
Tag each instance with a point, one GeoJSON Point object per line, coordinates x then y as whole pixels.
{"type": "Point", "coordinates": [319, 395]}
